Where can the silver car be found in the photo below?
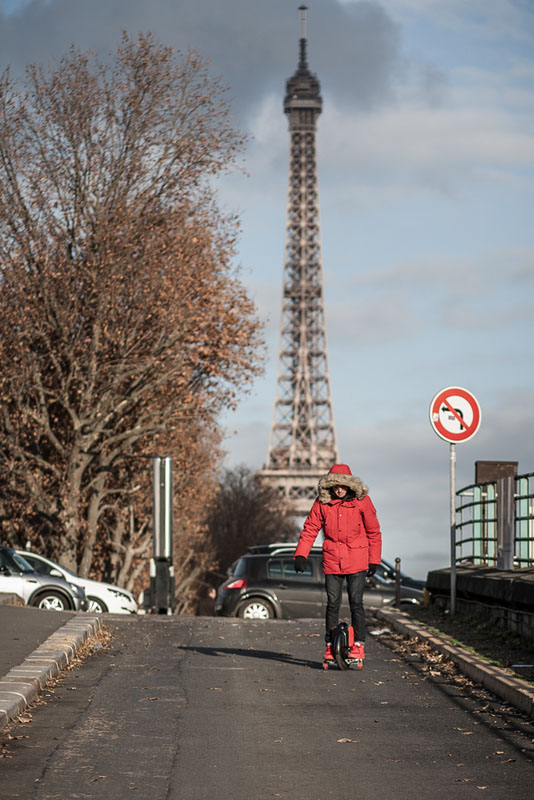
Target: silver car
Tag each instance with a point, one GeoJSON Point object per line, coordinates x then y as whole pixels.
{"type": "Point", "coordinates": [101, 596]}
{"type": "Point", "coordinates": [42, 591]}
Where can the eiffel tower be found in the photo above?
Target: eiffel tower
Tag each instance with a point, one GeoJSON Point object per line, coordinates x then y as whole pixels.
{"type": "Point", "coordinates": [302, 444]}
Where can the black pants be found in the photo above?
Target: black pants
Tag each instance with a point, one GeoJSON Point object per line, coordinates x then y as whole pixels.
{"type": "Point", "coordinates": [334, 590]}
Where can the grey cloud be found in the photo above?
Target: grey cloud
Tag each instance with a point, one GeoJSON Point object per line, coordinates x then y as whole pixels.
{"type": "Point", "coordinates": [252, 44]}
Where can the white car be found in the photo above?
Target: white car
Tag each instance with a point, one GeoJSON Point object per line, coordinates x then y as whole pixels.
{"type": "Point", "coordinates": [52, 592]}
{"type": "Point", "coordinates": [102, 597]}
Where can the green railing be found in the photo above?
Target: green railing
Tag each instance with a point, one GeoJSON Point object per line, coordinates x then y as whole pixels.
{"type": "Point", "coordinates": [484, 523]}
{"type": "Point", "coordinates": [524, 520]}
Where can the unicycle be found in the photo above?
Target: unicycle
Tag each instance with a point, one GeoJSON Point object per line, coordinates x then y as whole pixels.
{"type": "Point", "coordinates": [342, 641]}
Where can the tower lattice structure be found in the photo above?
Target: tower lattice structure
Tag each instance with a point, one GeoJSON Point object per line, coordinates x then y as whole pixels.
{"type": "Point", "coordinates": [302, 444]}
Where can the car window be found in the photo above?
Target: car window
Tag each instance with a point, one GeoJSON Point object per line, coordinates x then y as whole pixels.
{"type": "Point", "coordinates": [39, 566]}
{"type": "Point", "coordinates": [21, 563]}
{"type": "Point", "coordinates": [240, 570]}
{"type": "Point", "coordinates": [288, 566]}
{"type": "Point", "coordinates": [274, 569]}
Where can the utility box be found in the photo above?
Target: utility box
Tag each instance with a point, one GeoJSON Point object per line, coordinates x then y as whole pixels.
{"type": "Point", "coordinates": [162, 586]}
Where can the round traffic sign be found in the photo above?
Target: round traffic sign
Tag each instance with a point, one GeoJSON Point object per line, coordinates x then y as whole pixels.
{"type": "Point", "coordinates": [455, 414]}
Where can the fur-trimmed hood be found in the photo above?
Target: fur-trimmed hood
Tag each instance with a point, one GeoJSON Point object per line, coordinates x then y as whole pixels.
{"type": "Point", "coordinates": [340, 475]}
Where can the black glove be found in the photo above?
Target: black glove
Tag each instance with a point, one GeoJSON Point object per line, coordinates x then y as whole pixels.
{"type": "Point", "coordinates": [372, 569]}
{"type": "Point", "coordinates": [300, 564]}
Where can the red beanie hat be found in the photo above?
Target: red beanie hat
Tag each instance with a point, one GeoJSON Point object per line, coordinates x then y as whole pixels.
{"type": "Point", "coordinates": [340, 469]}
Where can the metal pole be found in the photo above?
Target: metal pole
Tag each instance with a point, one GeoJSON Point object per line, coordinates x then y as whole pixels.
{"type": "Point", "coordinates": [161, 568]}
{"type": "Point", "coordinates": [453, 526]}
{"type": "Point", "coordinates": [397, 582]}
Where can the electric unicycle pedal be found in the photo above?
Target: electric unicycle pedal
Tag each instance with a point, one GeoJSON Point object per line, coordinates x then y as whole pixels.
{"type": "Point", "coordinates": [342, 641]}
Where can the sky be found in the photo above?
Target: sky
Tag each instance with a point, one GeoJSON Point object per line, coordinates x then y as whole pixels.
{"type": "Point", "coordinates": [426, 180]}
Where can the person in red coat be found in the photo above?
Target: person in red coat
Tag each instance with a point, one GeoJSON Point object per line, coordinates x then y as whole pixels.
{"type": "Point", "coordinates": [351, 549]}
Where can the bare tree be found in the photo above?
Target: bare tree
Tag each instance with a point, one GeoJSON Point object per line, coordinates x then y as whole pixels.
{"type": "Point", "coordinates": [246, 512]}
{"type": "Point", "coordinates": [123, 328]}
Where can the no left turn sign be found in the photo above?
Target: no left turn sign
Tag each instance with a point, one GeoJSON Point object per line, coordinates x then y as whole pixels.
{"type": "Point", "coordinates": [455, 414]}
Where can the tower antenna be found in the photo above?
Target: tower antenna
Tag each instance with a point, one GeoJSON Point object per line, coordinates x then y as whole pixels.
{"type": "Point", "coordinates": [303, 20]}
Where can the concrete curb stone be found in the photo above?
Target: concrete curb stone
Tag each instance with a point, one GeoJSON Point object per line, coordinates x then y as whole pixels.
{"type": "Point", "coordinates": [513, 690]}
{"type": "Point", "coordinates": [7, 599]}
{"type": "Point", "coordinates": [23, 683]}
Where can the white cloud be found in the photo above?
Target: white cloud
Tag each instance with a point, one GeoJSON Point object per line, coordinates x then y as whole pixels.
{"type": "Point", "coordinates": [454, 142]}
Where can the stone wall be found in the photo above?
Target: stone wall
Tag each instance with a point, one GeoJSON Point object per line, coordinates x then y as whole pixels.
{"type": "Point", "coordinates": [505, 598]}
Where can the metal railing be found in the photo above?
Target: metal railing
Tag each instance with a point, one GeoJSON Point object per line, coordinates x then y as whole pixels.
{"type": "Point", "coordinates": [495, 522]}
{"type": "Point", "coordinates": [524, 520]}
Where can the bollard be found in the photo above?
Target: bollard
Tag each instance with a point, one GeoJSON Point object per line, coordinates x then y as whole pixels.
{"type": "Point", "coordinates": [397, 582]}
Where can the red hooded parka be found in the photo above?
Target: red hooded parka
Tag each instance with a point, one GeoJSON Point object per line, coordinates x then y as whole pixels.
{"type": "Point", "coordinates": [352, 538]}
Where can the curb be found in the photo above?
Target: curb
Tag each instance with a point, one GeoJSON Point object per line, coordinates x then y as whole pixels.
{"type": "Point", "coordinates": [515, 691]}
{"type": "Point", "coordinates": [24, 683]}
{"type": "Point", "coordinates": [7, 599]}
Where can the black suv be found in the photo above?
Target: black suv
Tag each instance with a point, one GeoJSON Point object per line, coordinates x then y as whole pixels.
{"type": "Point", "coordinates": [263, 584]}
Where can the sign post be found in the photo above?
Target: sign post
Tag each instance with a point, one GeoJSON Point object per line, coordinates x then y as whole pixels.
{"type": "Point", "coordinates": [455, 416]}
{"type": "Point", "coordinates": [452, 518]}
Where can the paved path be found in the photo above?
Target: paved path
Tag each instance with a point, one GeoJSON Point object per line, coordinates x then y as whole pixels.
{"type": "Point", "coordinates": [201, 707]}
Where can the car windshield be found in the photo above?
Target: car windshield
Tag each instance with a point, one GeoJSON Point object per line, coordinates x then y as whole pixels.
{"type": "Point", "coordinates": [46, 567]}
{"type": "Point", "coordinates": [392, 569]}
{"type": "Point", "coordinates": [21, 563]}
{"type": "Point", "coordinates": [64, 569]}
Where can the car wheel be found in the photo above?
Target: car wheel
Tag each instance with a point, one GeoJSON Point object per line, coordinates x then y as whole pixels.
{"type": "Point", "coordinates": [255, 609]}
{"type": "Point", "coordinates": [96, 606]}
{"type": "Point", "coordinates": [52, 601]}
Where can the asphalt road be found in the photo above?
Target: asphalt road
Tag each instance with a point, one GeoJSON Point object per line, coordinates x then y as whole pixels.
{"type": "Point", "coordinates": [195, 708]}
